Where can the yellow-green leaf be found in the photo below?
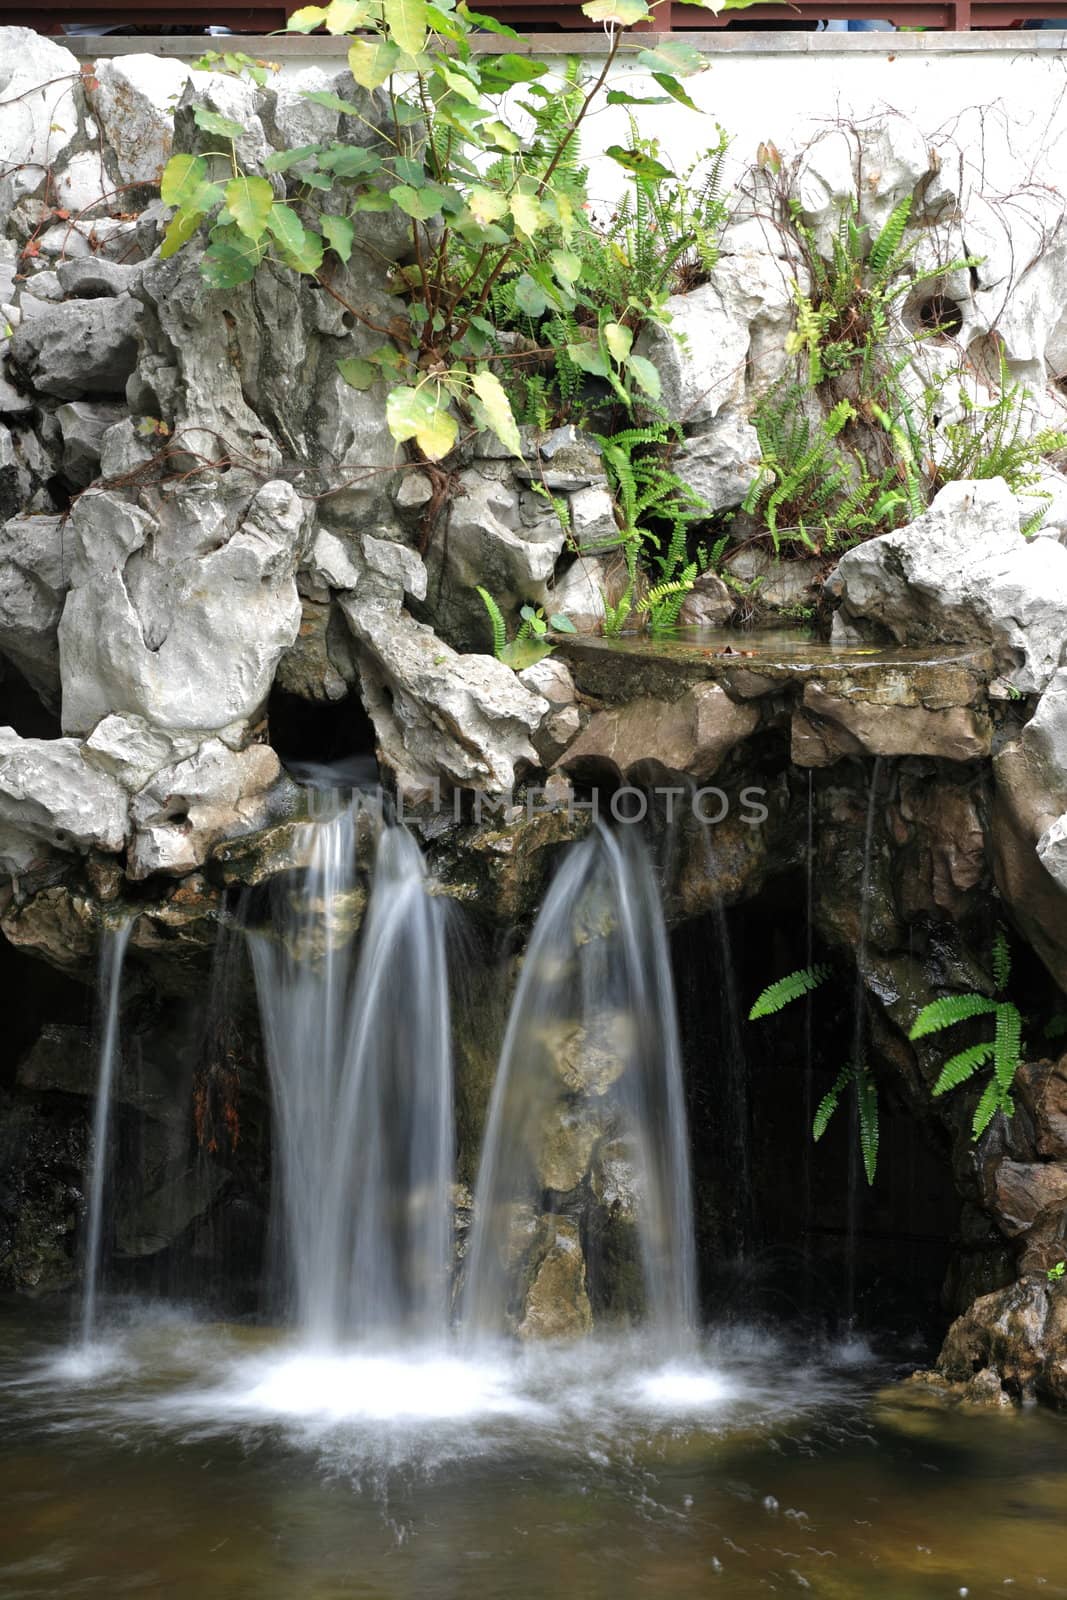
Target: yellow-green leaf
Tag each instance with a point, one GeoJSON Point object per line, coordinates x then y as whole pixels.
{"type": "Point", "coordinates": [459, 84]}
{"type": "Point", "coordinates": [359, 373]}
{"type": "Point", "coordinates": [618, 339]}
{"type": "Point", "coordinates": [344, 15]}
{"type": "Point", "coordinates": [406, 22]}
{"type": "Point", "coordinates": [499, 134]}
{"type": "Point", "coordinates": [286, 226]}
{"type": "Point", "coordinates": [182, 176]}
{"type": "Point", "coordinates": [645, 375]}
{"type": "Point", "coordinates": [528, 212]}
{"type": "Point", "coordinates": [372, 64]}
{"type": "Point", "coordinates": [497, 409]}
{"type": "Point", "coordinates": [180, 230]}
{"type": "Point", "coordinates": [567, 266]}
{"type": "Point", "coordinates": [622, 12]}
{"type": "Point", "coordinates": [422, 415]}
{"type": "Point", "coordinates": [307, 18]}
{"type": "Point", "coordinates": [487, 205]}
{"type": "Point", "coordinates": [249, 201]}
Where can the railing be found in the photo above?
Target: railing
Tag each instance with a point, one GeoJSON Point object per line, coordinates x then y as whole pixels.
{"type": "Point", "coordinates": [147, 15]}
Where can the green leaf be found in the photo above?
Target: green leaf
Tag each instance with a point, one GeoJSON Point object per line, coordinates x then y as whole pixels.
{"type": "Point", "coordinates": [333, 102]}
{"type": "Point", "coordinates": [497, 408]}
{"type": "Point", "coordinates": [180, 230]}
{"type": "Point", "coordinates": [282, 160]}
{"type": "Point", "coordinates": [211, 122]}
{"type": "Point", "coordinates": [590, 358]}
{"type": "Point", "coordinates": [250, 201]}
{"type": "Point", "coordinates": [351, 161]}
{"type": "Point", "coordinates": [529, 296]}
{"type": "Point", "coordinates": [306, 19]}
{"type": "Point", "coordinates": [182, 176]}
{"type": "Point", "coordinates": [359, 373]}
{"type": "Point", "coordinates": [373, 200]}
{"type": "Point", "coordinates": [1007, 1045]}
{"type": "Point", "coordinates": [986, 1109]}
{"type": "Point", "coordinates": [964, 1065]}
{"type": "Point", "coordinates": [500, 71]}
{"type": "Point", "coordinates": [422, 415]}
{"type": "Point", "coordinates": [501, 137]}
{"type": "Point", "coordinates": [619, 97]}
{"type": "Point", "coordinates": [622, 12]}
{"type": "Point", "coordinates": [308, 258]}
{"type": "Point", "coordinates": [560, 623]}
{"type": "Point", "coordinates": [674, 56]}
{"type": "Point", "coordinates": [339, 234]}
{"type": "Point", "coordinates": [619, 340]}
{"type": "Point", "coordinates": [785, 990]}
{"type": "Point", "coordinates": [406, 24]}
{"type": "Point", "coordinates": [867, 1102]}
{"type": "Point", "coordinates": [645, 375]}
{"type": "Point", "coordinates": [829, 1103]}
{"type": "Point", "coordinates": [486, 24]}
{"type": "Point", "coordinates": [675, 90]}
{"type": "Point", "coordinates": [523, 653]}
{"type": "Point", "coordinates": [638, 162]}
{"type": "Point", "coordinates": [284, 224]}
{"type": "Point", "coordinates": [421, 204]}
{"type": "Point", "coordinates": [567, 266]}
{"type": "Point", "coordinates": [225, 265]}
{"type": "Point", "coordinates": [459, 84]}
{"type": "Point", "coordinates": [945, 1013]}
{"type": "Point", "coordinates": [372, 64]}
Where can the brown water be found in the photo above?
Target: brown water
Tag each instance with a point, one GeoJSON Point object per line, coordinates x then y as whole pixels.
{"type": "Point", "coordinates": [211, 1463]}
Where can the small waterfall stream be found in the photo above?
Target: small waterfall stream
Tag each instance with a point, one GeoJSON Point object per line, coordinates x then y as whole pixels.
{"type": "Point", "coordinates": [112, 955]}
{"type": "Point", "coordinates": [591, 1045]}
{"type": "Point", "coordinates": [859, 1050]}
{"type": "Point", "coordinates": [359, 1057]}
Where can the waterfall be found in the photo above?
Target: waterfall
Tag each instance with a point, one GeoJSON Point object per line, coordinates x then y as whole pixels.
{"type": "Point", "coordinates": [358, 1052]}
{"type": "Point", "coordinates": [591, 1043]}
{"type": "Point", "coordinates": [859, 1049]}
{"type": "Point", "coordinates": [112, 954]}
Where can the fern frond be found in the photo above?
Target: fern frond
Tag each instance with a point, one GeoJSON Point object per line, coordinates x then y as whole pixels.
{"type": "Point", "coordinates": [986, 1109]}
{"type": "Point", "coordinates": [788, 989]}
{"type": "Point", "coordinates": [496, 619]}
{"type": "Point", "coordinates": [867, 1101]}
{"type": "Point", "coordinates": [964, 1065]}
{"type": "Point", "coordinates": [889, 240]}
{"type": "Point", "coordinates": [829, 1103]}
{"type": "Point", "coordinates": [945, 1013]}
{"type": "Point", "coordinates": [1001, 961]}
{"type": "Point", "coordinates": [1008, 1045]}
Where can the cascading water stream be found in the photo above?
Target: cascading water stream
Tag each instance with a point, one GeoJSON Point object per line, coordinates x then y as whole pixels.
{"type": "Point", "coordinates": [112, 956]}
{"type": "Point", "coordinates": [859, 1050]}
{"type": "Point", "coordinates": [593, 1021]}
{"type": "Point", "coordinates": [359, 1058]}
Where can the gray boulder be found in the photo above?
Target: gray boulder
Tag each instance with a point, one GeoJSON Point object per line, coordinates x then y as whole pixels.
{"type": "Point", "coordinates": [83, 424]}
{"type": "Point", "coordinates": [33, 584]}
{"type": "Point", "coordinates": [180, 613]}
{"type": "Point", "coordinates": [79, 347]}
{"type": "Point", "coordinates": [49, 794]}
{"type": "Point", "coordinates": [963, 573]}
{"type": "Point", "coordinates": [185, 809]}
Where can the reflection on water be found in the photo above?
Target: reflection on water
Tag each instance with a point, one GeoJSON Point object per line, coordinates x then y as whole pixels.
{"type": "Point", "coordinates": [183, 1460]}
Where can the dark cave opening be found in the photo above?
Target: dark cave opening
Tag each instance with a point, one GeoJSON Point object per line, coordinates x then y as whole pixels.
{"type": "Point", "coordinates": [322, 733]}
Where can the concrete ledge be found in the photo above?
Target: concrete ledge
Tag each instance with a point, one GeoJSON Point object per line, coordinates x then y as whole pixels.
{"type": "Point", "coordinates": [297, 50]}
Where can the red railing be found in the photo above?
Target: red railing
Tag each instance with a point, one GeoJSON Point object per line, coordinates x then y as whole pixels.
{"type": "Point", "coordinates": [146, 15]}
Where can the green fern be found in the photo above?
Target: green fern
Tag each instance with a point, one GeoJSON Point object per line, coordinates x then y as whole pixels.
{"type": "Point", "coordinates": [1004, 1049]}
{"type": "Point", "coordinates": [786, 990]}
{"type": "Point", "coordinates": [867, 1102]}
{"type": "Point", "coordinates": [496, 620]}
{"type": "Point", "coordinates": [830, 1102]}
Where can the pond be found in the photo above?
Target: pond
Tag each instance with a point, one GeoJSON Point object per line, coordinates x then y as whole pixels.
{"type": "Point", "coordinates": [186, 1460]}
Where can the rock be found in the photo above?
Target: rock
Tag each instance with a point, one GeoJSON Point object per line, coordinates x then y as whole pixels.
{"type": "Point", "coordinates": [401, 568]}
{"type": "Point", "coordinates": [83, 424]}
{"type": "Point", "coordinates": [79, 347]}
{"type": "Point", "coordinates": [1026, 1188]}
{"type": "Point", "coordinates": [731, 348]}
{"type": "Point", "coordinates": [34, 133]}
{"type": "Point", "coordinates": [49, 793]}
{"type": "Point", "coordinates": [557, 1304]}
{"type": "Point", "coordinates": [33, 584]}
{"type": "Point", "coordinates": [134, 100]}
{"type": "Point", "coordinates": [953, 733]}
{"type": "Point", "coordinates": [14, 406]}
{"type": "Point", "coordinates": [963, 572]}
{"type": "Point", "coordinates": [463, 718]}
{"type": "Point", "coordinates": [56, 924]}
{"type": "Point", "coordinates": [414, 490]}
{"type": "Point", "coordinates": [180, 614]}
{"type": "Point", "coordinates": [566, 460]}
{"type": "Point", "coordinates": [708, 605]}
{"type": "Point", "coordinates": [650, 737]}
{"type": "Point", "coordinates": [592, 520]}
{"type": "Point", "coordinates": [578, 593]}
{"type": "Point", "coordinates": [42, 1157]}
{"type": "Point", "coordinates": [1042, 1087]}
{"type": "Point", "coordinates": [790, 586]}
{"type": "Point", "coordinates": [184, 810]}
{"type": "Point", "coordinates": [95, 278]}
{"type": "Point", "coordinates": [10, 486]}
{"type": "Point", "coordinates": [131, 751]}
{"type": "Point", "coordinates": [320, 665]}
{"type": "Point", "coordinates": [720, 463]}
{"type": "Point", "coordinates": [487, 544]}
{"type": "Point", "coordinates": [1020, 1335]}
